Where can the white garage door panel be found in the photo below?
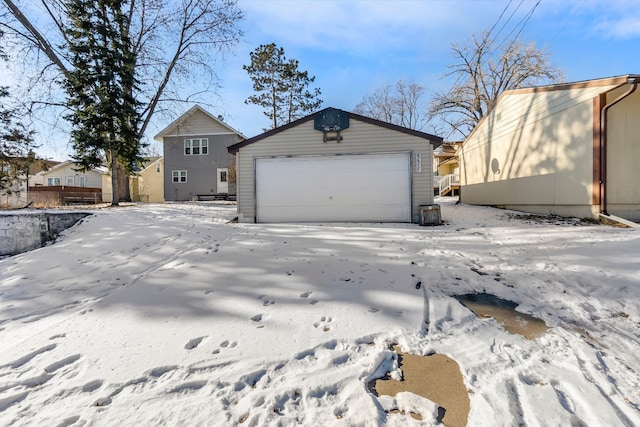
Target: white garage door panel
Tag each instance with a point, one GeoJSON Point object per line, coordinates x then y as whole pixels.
{"type": "Point", "coordinates": [334, 188]}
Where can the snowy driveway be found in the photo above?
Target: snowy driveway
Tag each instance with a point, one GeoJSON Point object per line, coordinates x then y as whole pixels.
{"type": "Point", "coordinates": [168, 314]}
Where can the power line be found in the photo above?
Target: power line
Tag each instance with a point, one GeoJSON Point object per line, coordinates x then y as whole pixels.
{"type": "Point", "coordinates": [524, 22]}
{"type": "Point", "coordinates": [562, 27]}
{"type": "Point", "coordinates": [509, 19]}
{"type": "Point", "coordinates": [500, 17]}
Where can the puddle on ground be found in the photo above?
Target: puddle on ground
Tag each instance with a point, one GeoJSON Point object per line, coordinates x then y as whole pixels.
{"type": "Point", "coordinates": [504, 312]}
{"type": "Point", "coordinates": [435, 377]}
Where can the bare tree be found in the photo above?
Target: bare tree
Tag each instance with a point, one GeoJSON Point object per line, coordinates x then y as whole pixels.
{"type": "Point", "coordinates": [400, 104]}
{"type": "Point", "coordinates": [482, 73]}
{"type": "Point", "coordinates": [174, 41]}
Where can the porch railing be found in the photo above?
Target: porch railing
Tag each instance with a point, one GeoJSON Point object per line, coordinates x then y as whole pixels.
{"type": "Point", "coordinates": [446, 182]}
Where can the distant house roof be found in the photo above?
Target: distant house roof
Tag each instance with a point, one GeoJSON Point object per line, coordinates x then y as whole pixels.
{"type": "Point", "coordinates": [435, 140]}
{"type": "Point", "coordinates": [446, 149]}
{"type": "Point", "coordinates": [169, 129]}
{"type": "Point", "coordinates": [98, 169]}
{"type": "Point", "coordinates": [41, 165]}
{"type": "Point", "coordinates": [147, 162]}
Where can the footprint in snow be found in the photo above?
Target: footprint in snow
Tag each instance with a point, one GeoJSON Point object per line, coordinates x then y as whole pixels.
{"type": "Point", "coordinates": [266, 302]}
{"type": "Point", "coordinates": [28, 357]}
{"type": "Point", "coordinates": [225, 344]}
{"type": "Point", "coordinates": [305, 294]}
{"type": "Point", "coordinates": [189, 386]}
{"type": "Point", "coordinates": [193, 343]}
{"type": "Point", "coordinates": [69, 421]}
{"type": "Point", "coordinates": [323, 323]}
{"type": "Point", "coordinates": [61, 363]}
{"type": "Point", "coordinates": [160, 371]}
{"type": "Point", "coordinates": [92, 386]}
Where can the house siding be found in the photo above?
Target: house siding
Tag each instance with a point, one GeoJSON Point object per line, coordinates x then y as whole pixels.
{"type": "Point", "coordinates": [534, 152]}
{"type": "Point", "coordinates": [197, 123]}
{"type": "Point", "coordinates": [359, 138]}
{"type": "Point", "coordinates": [92, 178]}
{"type": "Point", "coordinates": [150, 185]}
{"type": "Point", "coordinates": [623, 155]}
{"type": "Point", "coordinates": [201, 169]}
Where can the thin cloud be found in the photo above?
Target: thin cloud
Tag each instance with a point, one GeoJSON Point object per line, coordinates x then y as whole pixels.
{"type": "Point", "coordinates": [358, 27]}
{"type": "Point", "coordinates": [625, 28]}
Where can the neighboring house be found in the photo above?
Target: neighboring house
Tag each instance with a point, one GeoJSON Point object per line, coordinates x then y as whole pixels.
{"type": "Point", "coordinates": [335, 166]}
{"type": "Point", "coordinates": [66, 174]}
{"type": "Point", "coordinates": [446, 169]}
{"type": "Point", "coordinates": [64, 177]}
{"type": "Point", "coordinates": [147, 184]}
{"type": "Point", "coordinates": [569, 149]}
{"type": "Point", "coordinates": [196, 161]}
{"type": "Point", "coordinates": [15, 195]}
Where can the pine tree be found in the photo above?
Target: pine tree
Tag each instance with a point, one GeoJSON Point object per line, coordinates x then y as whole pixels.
{"type": "Point", "coordinates": [101, 87]}
{"type": "Point", "coordinates": [281, 88]}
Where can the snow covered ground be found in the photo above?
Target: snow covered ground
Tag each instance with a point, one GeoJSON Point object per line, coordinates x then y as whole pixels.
{"type": "Point", "coordinates": [170, 315]}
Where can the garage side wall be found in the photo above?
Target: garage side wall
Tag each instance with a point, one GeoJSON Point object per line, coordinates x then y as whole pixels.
{"type": "Point", "coordinates": [534, 152]}
{"type": "Point", "coordinates": [359, 138]}
{"type": "Point", "coordinates": [623, 156]}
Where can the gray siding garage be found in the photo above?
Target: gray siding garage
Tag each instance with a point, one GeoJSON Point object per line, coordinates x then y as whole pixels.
{"type": "Point", "coordinates": [376, 172]}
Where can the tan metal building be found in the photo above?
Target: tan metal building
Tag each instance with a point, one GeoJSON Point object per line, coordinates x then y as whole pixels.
{"type": "Point", "coordinates": [334, 166]}
{"type": "Point", "coordinates": [569, 149]}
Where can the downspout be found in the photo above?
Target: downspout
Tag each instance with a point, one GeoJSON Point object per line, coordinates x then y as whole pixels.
{"type": "Point", "coordinates": [603, 145]}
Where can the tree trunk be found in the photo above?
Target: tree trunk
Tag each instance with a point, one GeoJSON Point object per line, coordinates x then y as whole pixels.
{"type": "Point", "coordinates": [124, 190]}
{"type": "Point", "coordinates": [114, 177]}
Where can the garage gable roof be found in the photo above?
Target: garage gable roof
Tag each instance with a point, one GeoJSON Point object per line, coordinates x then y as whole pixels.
{"type": "Point", "coordinates": [604, 83]}
{"type": "Point", "coordinates": [435, 140]}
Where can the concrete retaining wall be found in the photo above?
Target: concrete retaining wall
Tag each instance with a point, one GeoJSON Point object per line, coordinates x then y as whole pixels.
{"type": "Point", "coordinates": [25, 231]}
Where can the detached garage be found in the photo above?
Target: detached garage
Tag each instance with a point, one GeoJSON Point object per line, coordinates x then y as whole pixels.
{"type": "Point", "coordinates": [334, 166]}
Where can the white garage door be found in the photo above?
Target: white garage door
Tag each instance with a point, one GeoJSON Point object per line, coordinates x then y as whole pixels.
{"type": "Point", "coordinates": [375, 187]}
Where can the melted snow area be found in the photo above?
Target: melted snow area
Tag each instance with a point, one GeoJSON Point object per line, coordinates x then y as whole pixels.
{"type": "Point", "coordinates": [170, 315]}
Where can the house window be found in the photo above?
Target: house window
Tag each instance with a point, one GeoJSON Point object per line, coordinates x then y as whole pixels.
{"type": "Point", "coordinates": [54, 181]}
{"type": "Point", "coordinates": [69, 181]}
{"type": "Point", "coordinates": [196, 146]}
{"type": "Point", "coordinates": [82, 181]}
{"type": "Point", "coordinates": [179, 176]}
{"type": "Point", "coordinates": [223, 176]}
{"type": "Point", "coordinates": [158, 167]}
{"type": "Point", "coordinates": [5, 169]}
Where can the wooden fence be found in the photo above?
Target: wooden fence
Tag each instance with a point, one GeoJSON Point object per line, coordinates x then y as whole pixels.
{"type": "Point", "coordinates": [64, 195]}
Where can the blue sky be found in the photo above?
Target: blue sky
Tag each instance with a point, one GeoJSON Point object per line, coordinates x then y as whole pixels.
{"type": "Point", "coordinates": [354, 47]}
